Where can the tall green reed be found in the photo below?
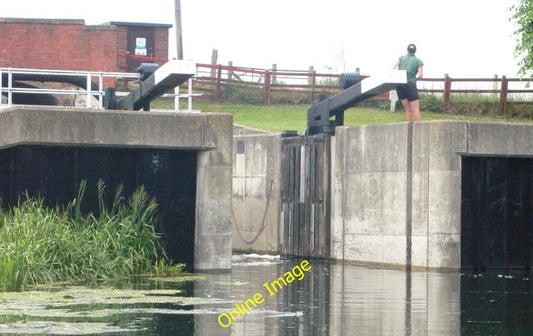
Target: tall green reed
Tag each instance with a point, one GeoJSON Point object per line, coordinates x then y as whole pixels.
{"type": "Point", "coordinates": [39, 244]}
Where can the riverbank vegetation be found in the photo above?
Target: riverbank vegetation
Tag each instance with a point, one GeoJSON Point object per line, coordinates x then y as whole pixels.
{"type": "Point", "coordinates": [39, 244]}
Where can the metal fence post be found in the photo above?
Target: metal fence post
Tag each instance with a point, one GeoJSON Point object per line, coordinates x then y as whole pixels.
{"type": "Point", "coordinates": [9, 87]}
{"type": "Point", "coordinates": [1, 86]}
{"type": "Point", "coordinates": [177, 99]}
{"type": "Point", "coordinates": [100, 90]}
{"type": "Point", "coordinates": [190, 94]}
{"type": "Point", "coordinates": [89, 87]}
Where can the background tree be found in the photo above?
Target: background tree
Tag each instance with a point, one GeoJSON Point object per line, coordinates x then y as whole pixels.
{"type": "Point", "coordinates": [522, 15]}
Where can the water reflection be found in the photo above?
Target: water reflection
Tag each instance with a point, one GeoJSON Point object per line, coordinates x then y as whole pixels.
{"type": "Point", "coordinates": [337, 299]}
{"type": "Point", "coordinates": [331, 299]}
{"type": "Point", "coordinates": [496, 303]}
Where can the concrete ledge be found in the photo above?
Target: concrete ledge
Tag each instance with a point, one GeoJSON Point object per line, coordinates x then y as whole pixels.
{"type": "Point", "coordinates": [505, 139]}
{"type": "Point", "coordinates": [56, 126]}
{"type": "Point", "coordinates": [43, 21]}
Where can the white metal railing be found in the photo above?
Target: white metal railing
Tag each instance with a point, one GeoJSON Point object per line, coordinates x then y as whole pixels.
{"type": "Point", "coordinates": [88, 75]}
{"type": "Point", "coordinates": [9, 90]}
{"type": "Point", "coordinates": [187, 95]}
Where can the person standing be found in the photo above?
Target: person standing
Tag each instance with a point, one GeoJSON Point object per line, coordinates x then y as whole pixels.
{"type": "Point", "coordinates": [408, 93]}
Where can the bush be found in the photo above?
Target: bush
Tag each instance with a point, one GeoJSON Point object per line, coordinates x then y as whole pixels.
{"type": "Point", "coordinates": [39, 244]}
{"type": "Point", "coordinates": [241, 94]}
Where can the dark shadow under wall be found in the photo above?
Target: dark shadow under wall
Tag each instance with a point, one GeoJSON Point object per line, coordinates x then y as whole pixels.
{"type": "Point", "coordinates": [55, 172]}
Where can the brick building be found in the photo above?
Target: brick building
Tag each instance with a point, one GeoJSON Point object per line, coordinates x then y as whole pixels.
{"type": "Point", "coordinates": [140, 39]}
{"type": "Point", "coordinates": [67, 44]}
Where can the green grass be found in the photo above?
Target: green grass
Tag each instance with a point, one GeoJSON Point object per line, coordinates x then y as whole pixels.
{"type": "Point", "coordinates": [39, 244]}
{"type": "Point", "coordinates": [277, 118]}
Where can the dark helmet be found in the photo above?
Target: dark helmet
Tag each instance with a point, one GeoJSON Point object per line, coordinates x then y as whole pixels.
{"type": "Point", "coordinates": [411, 48]}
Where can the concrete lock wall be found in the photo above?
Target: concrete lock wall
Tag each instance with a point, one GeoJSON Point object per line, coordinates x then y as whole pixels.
{"type": "Point", "coordinates": [397, 194]}
{"type": "Point", "coordinates": [397, 188]}
{"type": "Point", "coordinates": [369, 173]}
{"type": "Point", "coordinates": [210, 135]}
{"type": "Point", "coordinates": [256, 190]}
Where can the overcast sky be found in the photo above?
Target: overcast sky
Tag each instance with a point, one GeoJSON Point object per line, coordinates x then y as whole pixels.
{"type": "Point", "coordinates": [464, 38]}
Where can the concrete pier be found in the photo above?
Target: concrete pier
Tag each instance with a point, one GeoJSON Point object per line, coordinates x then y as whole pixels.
{"type": "Point", "coordinates": [256, 190]}
{"type": "Point", "coordinates": [208, 135]}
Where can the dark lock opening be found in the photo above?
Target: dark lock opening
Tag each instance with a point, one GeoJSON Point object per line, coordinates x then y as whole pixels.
{"type": "Point", "coordinates": [55, 172]}
{"type": "Point", "coordinates": [497, 212]}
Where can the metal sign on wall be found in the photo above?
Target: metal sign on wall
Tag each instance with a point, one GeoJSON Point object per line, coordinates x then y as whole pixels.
{"type": "Point", "coordinates": [140, 46]}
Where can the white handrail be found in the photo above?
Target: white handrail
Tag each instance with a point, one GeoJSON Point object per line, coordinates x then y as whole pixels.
{"type": "Point", "coordinates": [88, 91]}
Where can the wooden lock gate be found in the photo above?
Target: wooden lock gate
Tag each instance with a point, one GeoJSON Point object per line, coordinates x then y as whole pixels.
{"type": "Point", "coordinates": [305, 196]}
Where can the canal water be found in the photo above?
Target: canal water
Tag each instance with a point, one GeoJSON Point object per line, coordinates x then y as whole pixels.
{"type": "Point", "coordinates": [314, 298]}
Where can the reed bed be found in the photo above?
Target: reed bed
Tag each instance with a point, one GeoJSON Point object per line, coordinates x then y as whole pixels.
{"type": "Point", "coordinates": [39, 244]}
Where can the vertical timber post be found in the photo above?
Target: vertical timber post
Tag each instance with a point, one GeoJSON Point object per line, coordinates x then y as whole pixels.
{"type": "Point", "coordinates": [214, 61]}
{"type": "Point", "coordinates": [312, 83]}
{"type": "Point", "coordinates": [503, 96]}
{"type": "Point", "coordinates": [219, 83]}
{"type": "Point", "coordinates": [266, 93]}
{"type": "Point", "coordinates": [447, 92]}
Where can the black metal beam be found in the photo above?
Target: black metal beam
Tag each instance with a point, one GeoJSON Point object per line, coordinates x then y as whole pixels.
{"type": "Point", "coordinates": [167, 77]}
{"type": "Point", "coordinates": [318, 115]}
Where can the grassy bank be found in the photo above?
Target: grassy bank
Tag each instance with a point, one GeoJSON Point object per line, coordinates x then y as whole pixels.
{"type": "Point", "coordinates": [42, 245]}
{"type": "Point", "coordinates": [277, 118]}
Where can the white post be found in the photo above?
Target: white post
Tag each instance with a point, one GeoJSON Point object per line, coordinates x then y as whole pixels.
{"type": "Point", "coordinates": [190, 95]}
{"type": "Point", "coordinates": [1, 87]}
{"type": "Point", "coordinates": [9, 87]}
{"type": "Point", "coordinates": [89, 90]}
{"type": "Point", "coordinates": [101, 90]}
{"type": "Point", "coordinates": [393, 97]}
{"type": "Point", "coordinates": [177, 99]}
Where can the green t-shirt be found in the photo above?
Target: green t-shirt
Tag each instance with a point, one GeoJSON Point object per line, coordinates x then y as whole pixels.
{"type": "Point", "coordinates": [410, 63]}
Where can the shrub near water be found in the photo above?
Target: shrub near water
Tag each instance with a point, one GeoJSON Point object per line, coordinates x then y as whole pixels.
{"type": "Point", "coordinates": [40, 245]}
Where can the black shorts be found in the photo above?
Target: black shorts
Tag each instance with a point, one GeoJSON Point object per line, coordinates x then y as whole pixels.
{"type": "Point", "coordinates": [407, 91]}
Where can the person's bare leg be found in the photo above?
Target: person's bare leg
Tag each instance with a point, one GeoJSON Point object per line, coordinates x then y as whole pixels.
{"type": "Point", "coordinates": [407, 108]}
{"type": "Point", "coordinates": [415, 109]}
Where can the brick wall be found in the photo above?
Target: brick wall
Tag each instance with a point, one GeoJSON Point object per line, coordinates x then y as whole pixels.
{"type": "Point", "coordinates": [57, 44]}
{"type": "Point", "coordinates": [122, 47]}
{"type": "Point", "coordinates": [161, 43]}
{"type": "Point", "coordinates": [64, 44]}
